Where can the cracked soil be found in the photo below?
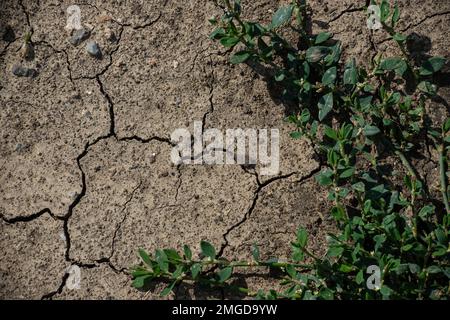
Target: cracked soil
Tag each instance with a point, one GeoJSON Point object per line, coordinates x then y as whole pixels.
{"type": "Point", "coordinates": [85, 171]}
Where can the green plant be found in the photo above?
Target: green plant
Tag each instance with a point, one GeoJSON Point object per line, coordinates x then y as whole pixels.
{"type": "Point", "coordinates": [353, 116]}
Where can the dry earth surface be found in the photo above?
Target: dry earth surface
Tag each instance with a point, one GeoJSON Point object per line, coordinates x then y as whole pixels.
{"type": "Point", "coordinates": [86, 176]}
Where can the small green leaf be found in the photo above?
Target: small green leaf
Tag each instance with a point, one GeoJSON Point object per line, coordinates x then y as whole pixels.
{"type": "Point", "coordinates": [360, 277]}
{"type": "Point", "coordinates": [399, 37]}
{"type": "Point", "coordinates": [296, 135]}
{"type": "Point", "coordinates": [350, 73]}
{"type": "Point", "coordinates": [145, 257]}
{"type": "Point", "coordinates": [330, 133]}
{"type": "Point", "coordinates": [335, 251]}
{"type": "Point", "coordinates": [324, 177]}
{"type": "Point", "coordinates": [255, 252]}
{"type": "Point", "coordinates": [431, 66]}
{"type": "Point", "coordinates": [281, 16]}
{"type": "Point", "coordinates": [240, 57]}
{"type": "Point", "coordinates": [395, 15]}
{"type": "Point", "coordinates": [217, 34]}
{"type": "Point", "coordinates": [370, 130]}
{"type": "Point", "coordinates": [427, 87]}
{"type": "Point", "coordinates": [224, 274]}
{"type": "Point", "coordinates": [168, 289]}
{"type": "Point", "coordinates": [325, 105]}
{"type": "Point", "coordinates": [347, 173]}
{"type": "Point", "coordinates": [329, 77]}
{"type": "Point", "coordinates": [346, 268]}
{"type": "Point", "coordinates": [208, 249]}
{"type": "Point", "coordinates": [139, 282]}
{"type": "Point", "coordinates": [315, 54]}
{"type": "Point", "coordinates": [302, 237]}
{"type": "Point", "coordinates": [196, 268]}
{"type": "Point", "coordinates": [434, 269]}
{"type": "Point", "coordinates": [322, 37]}
{"type": "Point", "coordinates": [384, 8]}
{"type": "Point", "coordinates": [187, 252]}
{"type": "Point", "coordinates": [162, 261]}
{"type": "Point", "coordinates": [229, 42]}
{"type": "Point", "coordinates": [390, 63]}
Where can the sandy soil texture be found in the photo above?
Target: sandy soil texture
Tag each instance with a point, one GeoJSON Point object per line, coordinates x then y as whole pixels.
{"type": "Point", "coordinates": [85, 171]}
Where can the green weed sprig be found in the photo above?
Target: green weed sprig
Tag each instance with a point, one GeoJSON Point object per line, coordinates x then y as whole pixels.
{"type": "Point", "coordinates": [353, 116]}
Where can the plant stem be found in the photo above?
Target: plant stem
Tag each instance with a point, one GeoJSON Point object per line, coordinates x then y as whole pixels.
{"type": "Point", "coordinates": [406, 163]}
{"type": "Point", "coordinates": [442, 170]}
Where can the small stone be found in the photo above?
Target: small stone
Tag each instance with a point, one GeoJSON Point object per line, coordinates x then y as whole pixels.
{"type": "Point", "coordinates": [175, 64]}
{"type": "Point", "coordinates": [27, 51]}
{"type": "Point", "coordinates": [79, 36]}
{"type": "Point", "coordinates": [153, 158]}
{"type": "Point", "coordinates": [110, 35]}
{"type": "Point", "coordinates": [20, 147]}
{"type": "Point", "coordinates": [20, 71]}
{"type": "Point", "coordinates": [93, 49]}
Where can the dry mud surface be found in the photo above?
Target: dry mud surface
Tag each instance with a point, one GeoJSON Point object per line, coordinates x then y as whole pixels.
{"type": "Point", "coordinates": [86, 176]}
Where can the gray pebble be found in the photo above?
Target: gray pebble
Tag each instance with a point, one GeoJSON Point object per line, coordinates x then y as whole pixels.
{"type": "Point", "coordinates": [20, 71]}
{"type": "Point", "coordinates": [79, 36]}
{"type": "Point", "coordinates": [93, 49]}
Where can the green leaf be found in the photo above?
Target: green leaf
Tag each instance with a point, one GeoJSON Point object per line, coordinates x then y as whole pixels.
{"type": "Point", "coordinates": [317, 53]}
{"type": "Point", "coordinates": [390, 63]}
{"type": "Point", "coordinates": [329, 77]}
{"type": "Point", "coordinates": [139, 282]}
{"type": "Point", "coordinates": [347, 173]}
{"type": "Point", "coordinates": [350, 73]}
{"type": "Point", "coordinates": [208, 249]}
{"type": "Point", "coordinates": [324, 177]}
{"type": "Point", "coordinates": [330, 133]}
{"type": "Point", "coordinates": [187, 252]}
{"type": "Point", "coordinates": [431, 66]}
{"type": "Point", "coordinates": [426, 211]}
{"type": "Point", "coordinates": [384, 8]}
{"type": "Point", "coordinates": [338, 213]}
{"type": "Point", "coordinates": [326, 294]}
{"type": "Point", "coordinates": [168, 289]}
{"type": "Point", "coordinates": [172, 254]}
{"type": "Point", "coordinates": [217, 34]}
{"type": "Point", "coordinates": [399, 37]}
{"type": "Point", "coordinates": [395, 15]}
{"type": "Point", "coordinates": [394, 64]}
{"type": "Point", "coordinates": [240, 57]}
{"type": "Point", "coordinates": [434, 269]}
{"type": "Point", "coordinates": [296, 135]}
{"type": "Point", "coordinates": [325, 105]}
{"type": "Point", "coordinates": [145, 257]}
{"type": "Point", "coordinates": [282, 16]}
{"type": "Point", "coordinates": [302, 237]}
{"type": "Point", "coordinates": [255, 252]}
{"type": "Point", "coordinates": [322, 37]}
{"type": "Point", "coordinates": [335, 251]}
{"type": "Point", "coordinates": [229, 42]}
{"type": "Point", "coordinates": [224, 274]}
{"type": "Point", "coordinates": [370, 130]}
{"type": "Point", "coordinates": [162, 261]}
{"type": "Point", "coordinates": [386, 291]}
{"type": "Point", "coordinates": [196, 268]}
{"type": "Point", "coordinates": [427, 87]}
{"type": "Point", "coordinates": [360, 277]}
{"type": "Point", "coordinates": [346, 268]}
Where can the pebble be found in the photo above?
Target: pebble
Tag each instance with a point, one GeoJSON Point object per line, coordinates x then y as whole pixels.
{"type": "Point", "coordinates": [93, 49]}
{"type": "Point", "coordinates": [20, 71]}
{"type": "Point", "coordinates": [27, 51]}
{"type": "Point", "coordinates": [110, 35]}
{"type": "Point", "coordinates": [79, 36]}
